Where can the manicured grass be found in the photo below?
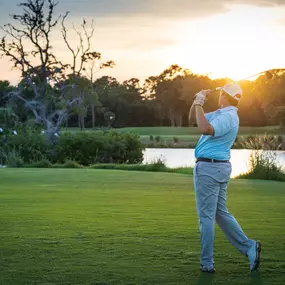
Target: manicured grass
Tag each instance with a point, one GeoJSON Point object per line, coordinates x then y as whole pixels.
{"type": "Point", "coordinates": [61, 226]}
{"type": "Point", "coordinates": [190, 136]}
{"type": "Point", "coordinates": [184, 131]}
{"type": "Point", "coordinates": [187, 137]}
{"type": "Point", "coordinates": [168, 131]}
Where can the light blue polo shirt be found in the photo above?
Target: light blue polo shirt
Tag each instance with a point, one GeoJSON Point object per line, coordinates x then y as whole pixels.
{"type": "Point", "coordinates": [225, 122]}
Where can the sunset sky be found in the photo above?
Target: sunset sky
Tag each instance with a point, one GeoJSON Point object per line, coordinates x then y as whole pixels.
{"type": "Point", "coordinates": [217, 37]}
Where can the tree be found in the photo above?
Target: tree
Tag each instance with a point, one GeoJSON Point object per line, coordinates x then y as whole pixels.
{"type": "Point", "coordinates": [28, 45]}
{"type": "Point", "coordinates": [193, 83]}
{"type": "Point", "coordinates": [5, 89]}
{"type": "Point", "coordinates": [8, 118]}
{"type": "Point", "coordinates": [91, 70]}
{"type": "Point", "coordinates": [270, 96]}
{"type": "Point", "coordinates": [175, 86]}
{"type": "Point", "coordinates": [109, 118]}
{"type": "Point", "coordinates": [166, 90]}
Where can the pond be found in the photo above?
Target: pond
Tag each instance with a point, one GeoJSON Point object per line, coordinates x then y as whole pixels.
{"type": "Point", "coordinates": [185, 158]}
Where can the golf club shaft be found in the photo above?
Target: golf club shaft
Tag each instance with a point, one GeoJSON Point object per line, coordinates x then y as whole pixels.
{"type": "Point", "coordinates": [219, 88]}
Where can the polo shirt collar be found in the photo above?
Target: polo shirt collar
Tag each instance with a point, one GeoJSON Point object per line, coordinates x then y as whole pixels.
{"type": "Point", "coordinates": [227, 109]}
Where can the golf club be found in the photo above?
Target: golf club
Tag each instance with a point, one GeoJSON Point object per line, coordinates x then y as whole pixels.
{"type": "Point", "coordinates": [267, 73]}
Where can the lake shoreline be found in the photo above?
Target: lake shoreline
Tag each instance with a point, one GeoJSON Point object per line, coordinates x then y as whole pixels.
{"type": "Point", "coordinates": [182, 157]}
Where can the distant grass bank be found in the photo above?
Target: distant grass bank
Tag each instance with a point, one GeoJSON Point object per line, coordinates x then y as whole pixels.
{"type": "Point", "coordinates": [169, 131]}
{"type": "Point", "coordinates": [184, 137]}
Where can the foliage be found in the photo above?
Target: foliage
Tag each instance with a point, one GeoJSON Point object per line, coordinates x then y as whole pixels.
{"type": "Point", "coordinates": [14, 159]}
{"type": "Point", "coordinates": [71, 164]}
{"type": "Point", "coordinates": [99, 147]}
{"type": "Point", "coordinates": [109, 118]}
{"type": "Point", "coordinates": [269, 94]}
{"type": "Point", "coordinates": [175, 140]}
{"type": "Point", "coordinates": [53, 93]}
{"type": "Point", "coordinates": [83, 148]}
{"type": "Point", "coordinates": [44, 163]}
{"type": "Point", "coordinates": [8, 118]}
{"type": "Point", "coordinates": [265, 142]}
{"type": "Point", "coordinates": [263, 166]}
{"type": "Point", "coordinates": [133, 167]}
{"type": "Point", "coordinates": [158, 139]}
{"type": "Point", "coordinates": [27, 43]}
{"type": "Point", "coordinates": [30, 145]}
{"type": "Point", "coordinates": [156, 166]}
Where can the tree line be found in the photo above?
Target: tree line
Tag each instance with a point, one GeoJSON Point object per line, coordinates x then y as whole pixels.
{"type": "Point", "coordinates": [161, 101]}
{"type": "Point", "coordinates": [53, 93]}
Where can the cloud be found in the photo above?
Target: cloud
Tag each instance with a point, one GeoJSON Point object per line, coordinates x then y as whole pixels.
{"type": "Point", "coordinates": [147, 8]}
{"type": "Point", "coordinates": [158, 8]}
{"type": "Point", "coordinates": [149, 44]}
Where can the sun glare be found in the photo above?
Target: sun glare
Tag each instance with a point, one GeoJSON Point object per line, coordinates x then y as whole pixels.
{"type": "Point", "coordinates": [236, 44]}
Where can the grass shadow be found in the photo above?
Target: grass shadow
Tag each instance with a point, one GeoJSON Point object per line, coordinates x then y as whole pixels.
{"type": "Point", "coordinates": [256, 278]}
{"type": "Point", "coordinates": [206, 278]}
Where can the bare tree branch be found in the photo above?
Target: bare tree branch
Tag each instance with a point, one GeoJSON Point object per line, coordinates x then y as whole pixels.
{"type": "Point", "coordinates": [54, 90]}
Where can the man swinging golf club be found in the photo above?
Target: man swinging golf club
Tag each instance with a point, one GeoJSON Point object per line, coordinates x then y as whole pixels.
{"type": "Point", "coordinates": [212, 174]}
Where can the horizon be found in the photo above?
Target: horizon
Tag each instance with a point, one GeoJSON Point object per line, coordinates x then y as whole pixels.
{"type": "Point", "coordinates": [221, 38]}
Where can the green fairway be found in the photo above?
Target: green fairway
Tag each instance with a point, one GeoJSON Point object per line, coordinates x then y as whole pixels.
{"type": "Point", "coordinates": [168, 131]}
{"type": "Point", "coordinates": [186, 137]}
{"type": "Point", "coordinates": [61, 226]}
{"type": "Point", "coordinates": [189, 136]}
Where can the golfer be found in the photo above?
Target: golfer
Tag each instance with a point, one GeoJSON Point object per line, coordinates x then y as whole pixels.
{"type": "Point", "coordinates": [212, 174]}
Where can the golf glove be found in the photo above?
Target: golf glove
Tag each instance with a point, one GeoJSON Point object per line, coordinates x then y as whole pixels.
{"type": "Point", "coordinates": [200, 98]}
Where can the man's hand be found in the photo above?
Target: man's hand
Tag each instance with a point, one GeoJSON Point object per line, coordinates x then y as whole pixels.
{"type": "Point", "coordinates": [201, 97]}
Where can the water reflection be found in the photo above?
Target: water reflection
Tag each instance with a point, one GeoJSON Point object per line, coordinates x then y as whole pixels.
{"type": "Point", "coordinates": [185, 158]}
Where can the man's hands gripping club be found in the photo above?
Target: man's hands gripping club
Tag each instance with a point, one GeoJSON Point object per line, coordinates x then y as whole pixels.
{"type": "Point", "coordinates": [201, 97]}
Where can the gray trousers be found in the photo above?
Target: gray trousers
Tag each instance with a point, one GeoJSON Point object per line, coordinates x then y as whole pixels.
{"type": "Point", "coordinates": [210, 182]}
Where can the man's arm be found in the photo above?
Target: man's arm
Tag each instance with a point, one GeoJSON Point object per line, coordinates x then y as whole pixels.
{"type": "Point", "coordinates": [197, 109]}
{"type": "Point", "coordinates": [204, 126]}
{"type": "Point", "coordinates": [192, 115]}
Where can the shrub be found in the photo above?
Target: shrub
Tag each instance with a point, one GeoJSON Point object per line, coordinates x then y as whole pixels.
{"type": "Point", "coordinates": [263, 166]}
{"type": "Point", "coordinates": [44, 163]}
{"type": "Point", "coordinates": [29, 145]}
{"type": "Point", "coordinates": [151, 138]}
{"type": "Point", "coordinates": [158, 139]}
{"type": "Point", "coordinates": [14, 160]}
{"type": "Point", "coordinates": [175, 139]}
{"type": "Point", "coordinates": [85, 148]}
{"type": "Point", "coordinates": [265, 142]}
{"type": "Point", "coordinates": [71, 164]}
{"type": "Point", "coordinates": [153, 167]}
{"type": "Point", "coordinates": [105, 166]}
{"type": "Point", "coordinates": [156, 166]}
{"type": "Point", "coordinates": [99, 147]}
{"type": "Point", "coordinates": [3, 155]}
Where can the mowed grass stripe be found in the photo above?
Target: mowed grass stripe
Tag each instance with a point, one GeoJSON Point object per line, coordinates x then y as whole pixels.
{"type": "Point", "coordinates": [61, 226]}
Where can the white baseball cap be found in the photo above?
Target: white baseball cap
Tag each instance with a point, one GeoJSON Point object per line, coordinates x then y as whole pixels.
{"type": "Point", "coordinates": [233, 89]}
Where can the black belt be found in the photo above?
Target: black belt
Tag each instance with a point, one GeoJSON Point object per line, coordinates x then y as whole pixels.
{"type": "Point", "coordinates": [211, 160]}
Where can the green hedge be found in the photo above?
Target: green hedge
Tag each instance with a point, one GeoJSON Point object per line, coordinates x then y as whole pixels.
{"type": "Point", "coordinates": [30, 146]}
{"type": "Point", "coordinates": [85, 148]}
